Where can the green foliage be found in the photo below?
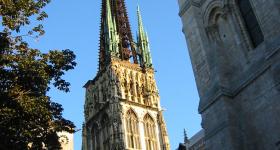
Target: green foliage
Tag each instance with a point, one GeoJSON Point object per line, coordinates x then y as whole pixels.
{"type": "Point", "coordinates": [29, 119]}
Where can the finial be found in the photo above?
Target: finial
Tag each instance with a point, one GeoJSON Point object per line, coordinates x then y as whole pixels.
{"type": "Point", "coordinates": [140, 22]}
{"type": "Point", "coordinates": [138, 7]}
{"type": "Point", "coordinates": [186, 139]}
{"type": "Point", "coordinates": [147, 37]}
{"type": "Point", "coordinates": [143, 44]}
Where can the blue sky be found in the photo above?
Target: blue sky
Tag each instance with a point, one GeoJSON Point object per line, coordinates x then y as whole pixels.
{"type": "Point", "coordinates": [74, 24]}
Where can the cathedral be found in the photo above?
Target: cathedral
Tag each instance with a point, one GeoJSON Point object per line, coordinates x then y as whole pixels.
{"type": "Point", "coordinates": [122, 106]}
{"type": "Point", "coordinates": [234, 47]}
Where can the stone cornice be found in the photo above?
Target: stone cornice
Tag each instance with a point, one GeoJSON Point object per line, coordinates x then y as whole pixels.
{"type": "Point", "coordinates": [211, 99]}
{"type": "Point", "coordinates": [231, 92]}
{"type": "Point", "coordinates": [125, 64]}
{"type": "Point", "coordinates": [140, 105]}
{"type": "Point", "coordinates": [135, 67]}
{"type": "Point", "coordinates": [188, 3]}
{"type": "Point", "coordinates": [184, 7]}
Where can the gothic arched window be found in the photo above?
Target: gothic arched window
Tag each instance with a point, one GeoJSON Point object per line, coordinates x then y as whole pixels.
{"type": "Point", "coordinates": [145, 98]}
{"type": "Point", "coordinates": [105, 132]}
{"type": "Point", "coordinates": [95, 133]}
{"type": "Point", "coordinates": [150, 133]}
{"type": "Point", "coordinates": [132, 130]}
{"type": "Point", "coordinates": [104, 92]}
{"type": "Point", "coordinates": [143, 90]}
{"type": "Point", "coordinates": [131, 90]}
{"type": "Point", "coordinates": [138, 92]}
{"type": "Point", "coordinates": [95, 98]}
{"type": "Point", "coordinates": [126, 88]}
{"type": "Point", "coordinates": [251, 22]}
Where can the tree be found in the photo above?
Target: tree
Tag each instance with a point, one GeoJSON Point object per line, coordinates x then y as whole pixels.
{"type": "Point", "coordinates": [29, 119]}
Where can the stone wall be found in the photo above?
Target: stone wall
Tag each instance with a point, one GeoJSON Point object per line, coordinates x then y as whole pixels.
{"type": "Point", "coordinates": [238, 83]}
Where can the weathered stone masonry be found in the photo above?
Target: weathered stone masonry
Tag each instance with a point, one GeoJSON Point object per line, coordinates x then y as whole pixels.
{"type": "Point", "coordinates": [236, 68]}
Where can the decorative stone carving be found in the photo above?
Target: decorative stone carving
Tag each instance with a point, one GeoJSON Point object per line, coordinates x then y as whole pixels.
{"type": "Point", "coordinates": [135, 84]}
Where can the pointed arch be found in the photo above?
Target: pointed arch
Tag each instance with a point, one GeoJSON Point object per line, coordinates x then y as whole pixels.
{"type": "Point", "coordinates": [126, 88]}
{"type": "Point", "coordinates": [132, 130]}
{"type": "Point", "coordinates": [211, 10]}
{"type": "Point", "coordinates": [246, 16]}
{"type": "Point", "coordinates": [138, 92]}
{"type": "Point", "coordinates": [104, 94]}
{"type": "Point", "coordinates": [131, 88]}
{"type": "Point", "coordinates": [95, 136]}
{"type": "Point", "coordinates": [150, 132]}
{"type": "Point", "coordinates": [105, 130]}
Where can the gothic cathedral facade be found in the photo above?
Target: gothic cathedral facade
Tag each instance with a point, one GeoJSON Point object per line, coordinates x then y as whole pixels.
{"type": "Point", "coordinates": [122, 107]}
{"type": "Point", "coordinates": [234, 46]}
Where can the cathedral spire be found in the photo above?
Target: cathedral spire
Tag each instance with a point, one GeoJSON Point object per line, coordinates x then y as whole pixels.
{"type": "Point", "coordinates": [143, 43]}
{"type": "Point", "coordinates": [141, 31]}
{"type": "Point", "coordinates": [186, 139]}
{"type": "Point", "coordinates": [115, 34]}
{"type": "Point", "coordinates": [127, 48]}
{"type": "Point", "coordinates": [123, 89]}
{"type": "Point", "coordinates": [111, 35]}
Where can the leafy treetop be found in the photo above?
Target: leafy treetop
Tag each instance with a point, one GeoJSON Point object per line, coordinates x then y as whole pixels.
{"type": "Point", "coordinates": [29, 119]}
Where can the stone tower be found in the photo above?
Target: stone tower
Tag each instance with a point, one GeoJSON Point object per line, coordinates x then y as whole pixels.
{"type": "Point", "coordinates": [234, 47]}
{"type": "Point", "coordinates": [122, 106]}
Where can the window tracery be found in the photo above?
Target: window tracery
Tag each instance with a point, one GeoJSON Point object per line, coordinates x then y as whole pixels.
{"type": "Point", "coordinates": [132, 130]}
{"type": "Point", "coordinates": [150, 133]}
{"type": "Point", "coordinates": [95, 137]}
{"type": "Point", "coordinates": [105, 132]}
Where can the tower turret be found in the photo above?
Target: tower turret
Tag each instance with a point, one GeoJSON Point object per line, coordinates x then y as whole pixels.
{"type": "Point", "coordinates": [186, 139]}
{"type": "Point", "coordinates": [111, 35]}
{"type": "Point", "coordinates": [115, 34]}
{"type": "Point", "coordinates": [143, 46]}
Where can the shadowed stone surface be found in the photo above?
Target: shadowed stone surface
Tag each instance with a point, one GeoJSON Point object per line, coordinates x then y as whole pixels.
{"type": "Point", "coordinates": [238, 82]}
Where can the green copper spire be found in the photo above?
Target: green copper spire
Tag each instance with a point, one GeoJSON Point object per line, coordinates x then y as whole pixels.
{"type": "Point", "coordinates": [111, 36]}
{"type": "Point", "coordinates": [143, 43]}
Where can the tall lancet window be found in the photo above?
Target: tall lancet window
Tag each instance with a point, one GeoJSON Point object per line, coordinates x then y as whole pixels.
{"type": "Point", "coordinates": [132, 130]}
{"type": "Point", "coordinates": [138, 93]}
{"type": "Point", "coordinates": [251, 22]}
{"type": "Point", "coordinates": [126, 88]}
{"type": "Point", "coordinates": [105, 132]}
{"type": "Point", "coordinates": [131, 90]}
{"type": "Point", "coordinates": [95, 133]}
{"type": "Point", "coordinates": [150, 133]}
